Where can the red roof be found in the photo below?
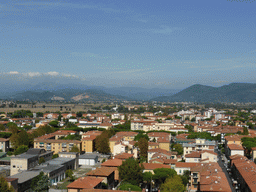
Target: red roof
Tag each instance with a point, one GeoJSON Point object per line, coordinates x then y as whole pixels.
{"type": "Point", "coordinates": [85, 183]}
{"type": "Point", "coordinates": [112, 163]}
{"type": "Point", "coordinates": [152, 166]}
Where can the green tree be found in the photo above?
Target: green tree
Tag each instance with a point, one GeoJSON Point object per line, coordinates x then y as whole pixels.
{"type": "Point", "coordinates": [161, 174]}
{"type": "Point", "coordinates": [173, 184]}
{"type": "Point", "coordinates": [102, 144]}
{"type": "Point", "coordinates": [21, 149]}
{"type": "Point", "coordinates": [131, 171]}
{"type": "Point", "coordinates": [75, 149]}
{"type": "Point", "coordinates": [129, 187]}
{"type": "Point", "coordinates": [2, 127]}
{"type": "Point", "coordinates": [54, 123]}
{"type": "Point", "coordinates": [39, 114]}
{"type": "Point", "coordinates": [79, 114]}
{"type": "Point", "coordinates": [4, 185]}
{"type": "Point", "coordinates": [141, 135]}
{"type": "Point", "coordinates": [245, 131]}
{"type": "Point", "coordinates": [41, 160]}
{"type": "Point", "coordinates": [178, 148]}
{"type": "Point", "coordinates": [40, 183]}
{"type": "Point", "coordinates": [69, 173]}
{"type": "Point", "coordinates": [143, 146]}
{"type": "Point", "coordinates": [55, 156]}
{"type": "Point", "coordinates": [185, 177]}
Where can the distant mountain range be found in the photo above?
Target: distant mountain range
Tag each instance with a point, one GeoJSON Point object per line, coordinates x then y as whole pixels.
{"type": "Point", "coordinates": [234, 92]}
{"type": "Point", "coordinates": [48, 88]}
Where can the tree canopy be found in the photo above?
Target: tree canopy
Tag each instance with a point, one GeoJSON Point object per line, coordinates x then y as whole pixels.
{"type": "Point", "coordinates": [131, 171]}
{"type": "Point", "coordinates": [40, 183]}
{"type": "Point", "coordinates": [161, 174]}
{"type": "Point", "coordinates": [4, 185]}
{"type": "Point", "coordinates": [173, 184]}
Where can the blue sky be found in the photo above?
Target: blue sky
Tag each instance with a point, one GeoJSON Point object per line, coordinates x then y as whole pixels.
{"type": "Point", "coordinates": [146, 43]}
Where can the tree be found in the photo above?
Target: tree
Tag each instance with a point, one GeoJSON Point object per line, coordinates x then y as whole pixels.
{"type": "Point", "coordinates": [173, 184]}
{"type": "Point", "coordinates": [131, 171]}
{"type": "Point", "coordinates": [245, 131]}
{"type": "Point", "coordinates": [2, 128]}
{"type": "Point", "coordinates": [21, 149]}
{"type": "Point", "coordinates": [59, 117]}
{"type": "Point", "coordinates": [39, 114]}
{"type": "Point", "coordinates": [161, 174]}
{"type": "Point", "coordinates": [55, 156]}
{"type": "Point", "coordinates": [40, 183]}
{"type": "Point", "coordinates": [4, 185]}
{"type": "Point", "coordinates": [143, 146]}
{"type": "Point", "coordinates": [54, 123]}
{"type": "Point", "coordinates": [69, 173]}
{"type": "Point", "coordinates": [102, 144]}
{"type": "Point", "coordinates": [41, 160]}
{"type": "Point", "coordinates": [141, 135]}
{"type": "Point", "coordinates": [79, 114]}
{"type": "Point", "coordinates": [185, 177]}
{"type": "Point", "coordinates": [178, 148]}
{"type": "Point", "coordinates": [74, 149]}
{"type": "Point", "coordinates": [129, 187]}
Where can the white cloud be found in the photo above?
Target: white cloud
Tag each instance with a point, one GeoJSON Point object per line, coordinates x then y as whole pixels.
{"type": "Point", "coordinates": [52, 73]}
{"type": "Point", "coordinates": [32, 74]}
{"type": "Point", "coordinates": [13, 72]}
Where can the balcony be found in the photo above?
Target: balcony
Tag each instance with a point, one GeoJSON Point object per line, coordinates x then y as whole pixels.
{"type": "Point", "coordinates": [64, 145]}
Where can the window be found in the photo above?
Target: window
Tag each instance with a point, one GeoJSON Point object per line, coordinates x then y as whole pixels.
{"type": "Point", "coordinates": [20, 166]}
{"type": "Point", "coordinates": [14, 166]}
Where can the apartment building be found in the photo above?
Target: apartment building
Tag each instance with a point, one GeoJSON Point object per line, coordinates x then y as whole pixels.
{"type": "Point", "coordinates": [207, 177]}
{"type": "Point", "coordinates": [199, 144]}
{"type": "Point", "coordinates": [205, 156]}
{"type": "Point", "coordinates": [88, 141]}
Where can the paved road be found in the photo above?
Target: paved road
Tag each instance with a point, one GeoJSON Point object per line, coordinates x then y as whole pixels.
{"type": "Point", "coordinates": [221, 164]}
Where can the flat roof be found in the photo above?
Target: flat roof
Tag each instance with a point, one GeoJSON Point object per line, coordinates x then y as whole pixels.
{"type": "Point", "coordinates": [59, 160]}
{"type": "Point", "coordinates": [88, 156]}
{"type": "Point", "coordinates": [25, 176]}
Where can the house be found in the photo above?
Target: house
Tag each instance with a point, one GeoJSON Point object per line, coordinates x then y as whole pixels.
{"type": "Point", "coordinates": [105, 173]}
{"type": "Point", "coordinates": [181, 167]}
{"type": "Point", "coordinates": [85, 183]}
{"type": "Point", "coordinates": [162, 152]}
{"type": "Point", "coordinates": [233, 149]}
{"type": "Point", "coordinates": [113, 163]}
{"type": "Point", "coordinates": [205, 156]}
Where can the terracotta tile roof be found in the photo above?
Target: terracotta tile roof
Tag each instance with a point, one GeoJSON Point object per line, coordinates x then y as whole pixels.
{"type": "Point", "coordinates": [158, 134]}
{"type": "Point", "coordinates": [112, 163]}
{"type": "Point", "coordinates": [85, 183]}
{"type": "Point", "coordinates": [90, 138]}
{"type": "Point", "coordinates": [247, 170]}
{"type": "Point", "coordinates": [158, 150]}
{"type": "Point", "coordinates": [124, 156]}
{"type": "Point", "coordinates": [235, 147]}
{"type": "Point", "coordinates": [186, 165]}
{"type": "Point", "coordinates": [152, 166]}
{"type": "Point", "coordinates": [126, 133]}
{"type": "Point", "coordinates": [197, 154]}
{"type": "Point", "coordinates": [106, 124]}
{"type": "Point", "coordinates": [102, 171]}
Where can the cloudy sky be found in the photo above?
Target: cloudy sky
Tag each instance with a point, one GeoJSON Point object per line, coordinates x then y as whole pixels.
{"type": "Point", "coordinates": [146, 43]}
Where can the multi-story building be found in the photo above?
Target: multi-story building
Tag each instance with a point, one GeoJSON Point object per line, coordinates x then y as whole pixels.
{"type": "Point", "coordinates": [28, 160]}
{"type": "Point", "coordinates": [199, 144]}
